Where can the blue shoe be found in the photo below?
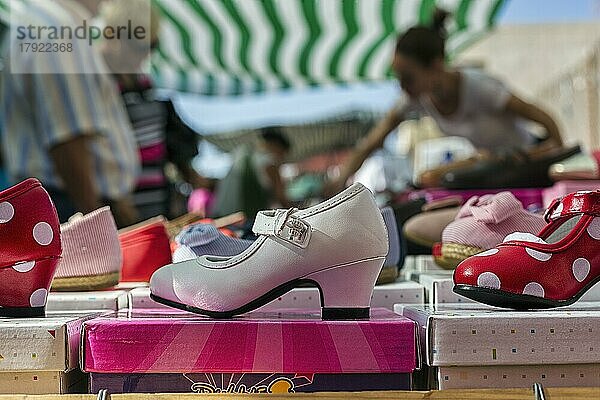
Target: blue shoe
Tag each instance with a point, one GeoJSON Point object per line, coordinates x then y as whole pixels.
{"type": "Point", "coordinates": [204, 239]}
{"type": "Point", "coordinates": [393, 257]}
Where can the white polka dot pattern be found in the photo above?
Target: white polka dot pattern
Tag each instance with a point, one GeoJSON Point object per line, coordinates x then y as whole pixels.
{"type": "Point", "coordinates": [38, 298]}
{"type": "Point", "coordinates": [581, 269]}
{"type": "Point", "coordinates": [24, 266]}
{"type": "Point", "coordinates": [488, 280]}
{"type": "Point", "coordinates": [558, 211]}
{"type": "Point", "coordinates": [7, 212]}
{"type": "Point", "coordinates": [524, 237]}
{"type": "Point", "coordinates": [534, 289]}
{"type": "Point", "coordinates": [538, 255]}
{"type": "Point", "coordinates": [42, 233]}
{"type": "Point", "coordinates": [593, 228]}
{"type": "Point", "coordinates": [486, 253]}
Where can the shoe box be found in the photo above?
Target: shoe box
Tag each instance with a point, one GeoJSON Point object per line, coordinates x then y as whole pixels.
{"type": "Point", "coordinates": [515, 376]}
{"type": "Point", "coordinates": [43, 382]}
{"type": "Point", "coordinates": [439, 290]}
{"type": "Point", "coordinates": [41, 355]}
{"type": "Point", "coordinates": [470, 346]}
{"type": "Point", "coordinates": [108, 300]}
{"type": "Point", "coordinates": [308, 298]}
{"type": "Point", "coordinates": [276, 351]}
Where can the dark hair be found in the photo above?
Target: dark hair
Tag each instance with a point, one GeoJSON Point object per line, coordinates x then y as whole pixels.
{"type": "Point", "coordinates": [275, 135]}
{"type": "Point", "coordinates": [425, 44]}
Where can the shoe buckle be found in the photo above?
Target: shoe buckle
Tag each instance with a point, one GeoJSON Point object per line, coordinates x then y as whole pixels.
{"type": "Point", "coordinates": [293, 230]}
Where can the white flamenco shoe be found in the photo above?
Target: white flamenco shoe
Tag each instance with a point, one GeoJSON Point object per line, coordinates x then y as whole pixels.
{"type": "Point", "coordinates": [339, 245]}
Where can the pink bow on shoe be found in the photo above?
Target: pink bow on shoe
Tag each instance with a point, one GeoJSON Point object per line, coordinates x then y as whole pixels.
{"type": "Point", "coordinates": [491, 208]}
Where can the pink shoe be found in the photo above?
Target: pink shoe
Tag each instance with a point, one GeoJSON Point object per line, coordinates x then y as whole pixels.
{"type": "Point", "coordinates": [339, 245]}
{"type": "Point", "coordinates": [481, 224]}
{"type": "Point", "coordinates": [91, 253]}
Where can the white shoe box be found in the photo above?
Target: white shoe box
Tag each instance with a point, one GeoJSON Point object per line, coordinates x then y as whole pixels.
{"type": "Point", "coordinates": [384, 296]}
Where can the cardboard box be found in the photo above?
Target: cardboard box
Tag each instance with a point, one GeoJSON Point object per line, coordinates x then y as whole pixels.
{"type": "Point", "coordinates": [422, 265]}
{"type": "Point", "coordinates": [384, 296]}
{"type": "Point", "coordinates": [286, 342]}
{"type": "Point", "coordinates": [438, 290]}
{"type": "Point", "coordinates": [43, 382]}
{"type": "Point", "coordinates": [516, 376]}
{"type": "Point", "coordinates": [246, 383]}
{"type": "Point", "coordinates": [41, 344]}
{"type": "Point", "coordinates": [111, 300]}
{"type": "Point", "coordinates": [475, 335]}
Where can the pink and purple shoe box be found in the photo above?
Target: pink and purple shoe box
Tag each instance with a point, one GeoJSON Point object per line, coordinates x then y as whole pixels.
{"type": "Point", "coordinates": [286, 351]}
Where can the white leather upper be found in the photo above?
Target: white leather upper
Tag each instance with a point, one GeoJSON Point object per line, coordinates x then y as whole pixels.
{"type": "Point", "coordinates": [344, 229]}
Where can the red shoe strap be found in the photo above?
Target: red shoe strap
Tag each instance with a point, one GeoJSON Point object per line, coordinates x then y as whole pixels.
{"type": "Point", "coordinates": [574, 204]}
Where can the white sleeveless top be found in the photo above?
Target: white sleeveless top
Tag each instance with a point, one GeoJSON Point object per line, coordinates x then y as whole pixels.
{"type": "Point", "coordinates": [481, 115]}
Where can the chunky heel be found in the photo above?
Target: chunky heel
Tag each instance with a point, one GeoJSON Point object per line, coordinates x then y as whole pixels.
{"type": "Point", "coordinates": [346, 290]}
{"type": "Point", "coordinates": [30, 282]}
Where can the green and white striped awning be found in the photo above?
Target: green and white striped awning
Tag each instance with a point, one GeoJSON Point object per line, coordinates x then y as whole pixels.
{"type": "Point", "coordinates": [227, 47]}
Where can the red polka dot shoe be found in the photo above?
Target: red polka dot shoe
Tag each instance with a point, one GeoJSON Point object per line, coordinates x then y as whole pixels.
{"type": "Point", "coordinates": [552, 269]}
{"type": "Point", "coordinates": [30, 249]}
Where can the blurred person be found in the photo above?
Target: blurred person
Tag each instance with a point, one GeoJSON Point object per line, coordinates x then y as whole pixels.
{"type": "Point", "coordinates": [463, 102]}
{"type": "Point", "coordinates": [69, 130]}
{"type": "Point", "coordinates": [254, 182]}
{"type": "Point", "coordinates": [163, 139]}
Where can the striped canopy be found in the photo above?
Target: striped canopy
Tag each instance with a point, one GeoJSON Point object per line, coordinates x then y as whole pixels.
{"type": "Point", "coordinates": [229, 47]}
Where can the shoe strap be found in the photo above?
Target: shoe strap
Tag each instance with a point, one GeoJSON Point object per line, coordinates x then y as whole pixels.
{"type": "Point", "coordinates": [574, 204]}
{"type": "Point", "coordinates": [284, 225]}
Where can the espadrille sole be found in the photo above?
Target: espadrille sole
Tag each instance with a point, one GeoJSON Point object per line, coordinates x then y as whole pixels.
{"type": "Point", "coordinates": [84, 283]}
{"type": "Point", "coordinates": [454, 253]}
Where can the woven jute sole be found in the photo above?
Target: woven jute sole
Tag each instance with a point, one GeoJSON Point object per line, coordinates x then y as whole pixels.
{"type": "Point", "coordinates": [84, 283]}
{"type": "Point", "coordinates": [454, 253]}
{"type": "Point", "coordinates": [418, 240]}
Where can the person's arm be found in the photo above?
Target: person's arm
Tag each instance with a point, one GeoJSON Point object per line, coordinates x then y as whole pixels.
{"type": "Point", "coordinates": [73, 163]}
{"type": "Point", "coordinates": [191, 176]}
{"type": "Point", "coordinates": [277, 185]}
{"type": "Point", "coordinates": [365, 147]}
{"type": "Point", "coordinates": [182, 147]}
{"type": "Point", "coordinates": [534, 113]}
